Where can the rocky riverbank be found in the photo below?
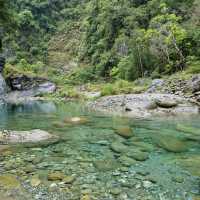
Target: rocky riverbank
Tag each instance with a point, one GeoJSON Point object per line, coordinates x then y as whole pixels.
{"type": "Point", "coordinates": [145, 105]}
{"type": "Point", "coordinates": [164, 97]}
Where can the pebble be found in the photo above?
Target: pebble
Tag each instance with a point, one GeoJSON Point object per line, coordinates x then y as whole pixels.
{"type": "Point", "coordinates": [115, 191]}
{"type": "Point", "coordinates": [69, 179]}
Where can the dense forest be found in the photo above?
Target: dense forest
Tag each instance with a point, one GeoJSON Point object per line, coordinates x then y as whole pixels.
{"type": "Point", "coordinates": [117, 39]}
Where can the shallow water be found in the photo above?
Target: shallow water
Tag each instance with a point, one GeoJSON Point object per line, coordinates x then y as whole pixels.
{"type": "Point", "coordinates": [99, 171]}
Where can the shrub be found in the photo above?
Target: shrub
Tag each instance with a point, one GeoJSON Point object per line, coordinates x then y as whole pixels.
{"type": "Point", "coordinates": [83, 75]}
{"type": "Point", "coordinates": [193, 65]}
{"type": "Point", "coordinates": [108, 89]}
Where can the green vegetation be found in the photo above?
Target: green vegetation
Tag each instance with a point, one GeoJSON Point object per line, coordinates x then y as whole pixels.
{"type": "Point", "coordinates": [111, 42]}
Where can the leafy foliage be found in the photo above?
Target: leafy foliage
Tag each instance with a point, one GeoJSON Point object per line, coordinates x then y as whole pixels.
{"type": "Point", "coordinates": [117, 39]}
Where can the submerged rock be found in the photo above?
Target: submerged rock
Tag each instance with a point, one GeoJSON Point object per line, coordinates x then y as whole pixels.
{"type": "Point", "coordinates": [106, 165]}
{"type": "Point", "coordinates": [118, 147]}
{"type": "Point", "coordinates": [69, 179]}
{"type": "Point", "coordinates": [85, 197]}
{"type": "Point", "coordinates": [143, 146]}
{"type": "Point", "coordinates": [76, 120]}
{"type": "Point", "coordinates": [188, 129]}
{"type": "Point", "coordinates": [190, 163]}
{"type": "Point", "coordinates": [127, 161]}
{"type": "Point", "coordinates": [115, 191]}
{"type": "Point", "coordinates": [9, 181]}
{"type": "Point", "coordinates": [171, 143]}
{"type": "Point", "coordinates": [55, 176]}
{"type": "Point", "coordinates": [124, 131]}
{"type": "Point", "coordinates": [35, 181]}
{"type": "Point", "coordinates": [138, 155]}
{"type": "Point", "coordinates": [58, 124]}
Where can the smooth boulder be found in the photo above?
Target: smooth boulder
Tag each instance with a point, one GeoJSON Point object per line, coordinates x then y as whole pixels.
{"type": "Point", "coordinates": [32, 136]}
{"type": "Point", "coordinates": [171, 143]}
{"type": "Point", "coordinates": [166, 103]}
{"type": "Point", "coordinates": [124, 131]}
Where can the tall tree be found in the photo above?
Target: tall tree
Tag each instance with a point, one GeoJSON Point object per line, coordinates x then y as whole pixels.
{"type": "Point", "coordinates": [4, 18]}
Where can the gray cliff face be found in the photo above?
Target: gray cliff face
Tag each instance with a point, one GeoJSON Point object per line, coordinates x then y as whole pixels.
{"type": "Point", "coordinates": [3, 88]}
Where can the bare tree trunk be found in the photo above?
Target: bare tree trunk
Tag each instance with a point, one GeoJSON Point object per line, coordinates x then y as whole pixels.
{"type": "Point", "coordinates": [140, 60]}
{"type": "Point", "coordinates": [182, 58]}
{"type": "Point", "coordinates": [1, 46]}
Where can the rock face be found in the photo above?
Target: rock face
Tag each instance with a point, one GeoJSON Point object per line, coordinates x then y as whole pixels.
{"type": "Point", "coordinates": [194, 83]}
{"type": "Point", "coordinates": [26, 88]}
{"type": "Point", "coordinates": [139, 105]}
{"type": "Point", "coordinates": [2, 63]}
{"type": "Point", "coordinates": [23, 82]}
{"type": "Point", "coordinates": [2, 86]}
{"type": "Point", "coordinates": [33, 136]}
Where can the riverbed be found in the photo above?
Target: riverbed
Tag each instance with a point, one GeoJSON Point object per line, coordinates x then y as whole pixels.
{"type": "Point", "coordinates": [99, 157]}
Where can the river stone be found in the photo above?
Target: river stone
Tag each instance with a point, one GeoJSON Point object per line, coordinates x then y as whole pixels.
{"type": "Point", "coordinates": [166, 103]}
{"type": "Point", "coordinates": [35, 181]}
{"type": "Point", "coordinates": [115, 191]}
{"type": "Point", "coordinates": [56, 176]}
{"type": "Point", "coordinates": [127, 161]}
{"type": "Point", "coordinates": [171, 143]}
{"type": "Point", "coordinates": [85, 197]}
{"type": "Point", "coordinates": [29, 168]}
{"type": "Point", "coordinates": [32, 136]}
{"type": "Point", "coordinates": [143, 146]}
{"type": "Point", "coordinates": [196, 198]}
{"type": "Point", "coordinates": [178, 179]}
{"type": "Point", "coordinates": [5, 150]}
{"type": "Point", "coordinates": [119, 147]}
{"type": "Point", "coordinates": [191, 164]}
{"type": "Point", "coordinates": [69, 179]}
{"type": "Point", "coordinates": [147, 184]}
{"type": "Point", "coordinates": [138, 155]}
{"type": "Point", "coordinates": [124, 131]}
{"type": "Point", "coordinates": [151, 105]}
{"type": "Point", "coordinates": [76, 120]}
{"type": "Point", "coordinates": [9, 181]}
{"type": "Point", "coordinates": [58, 124]}
{"type": "Point", "coordinates": [188, 129]}
{"type": "Point", "coordinates": [106, 165]}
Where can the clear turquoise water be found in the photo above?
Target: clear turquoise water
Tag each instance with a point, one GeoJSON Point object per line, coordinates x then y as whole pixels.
{"type": "Point", "coordinates": [84, 151]}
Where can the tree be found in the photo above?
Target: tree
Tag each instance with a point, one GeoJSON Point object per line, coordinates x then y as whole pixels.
{"type": "Point", "coordinates": [165, 37]}
{"type": "Point", "coordinates": [4, 18]}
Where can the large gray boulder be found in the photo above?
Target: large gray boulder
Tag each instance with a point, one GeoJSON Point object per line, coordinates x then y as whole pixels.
{"type": "Point", "coordinates": [32, 136]}
{"type": "Point", "coordinates": [194, 84]}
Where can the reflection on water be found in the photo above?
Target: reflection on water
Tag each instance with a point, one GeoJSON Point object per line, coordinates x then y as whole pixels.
{"type": "Point", "coordinates": [100, 157]}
